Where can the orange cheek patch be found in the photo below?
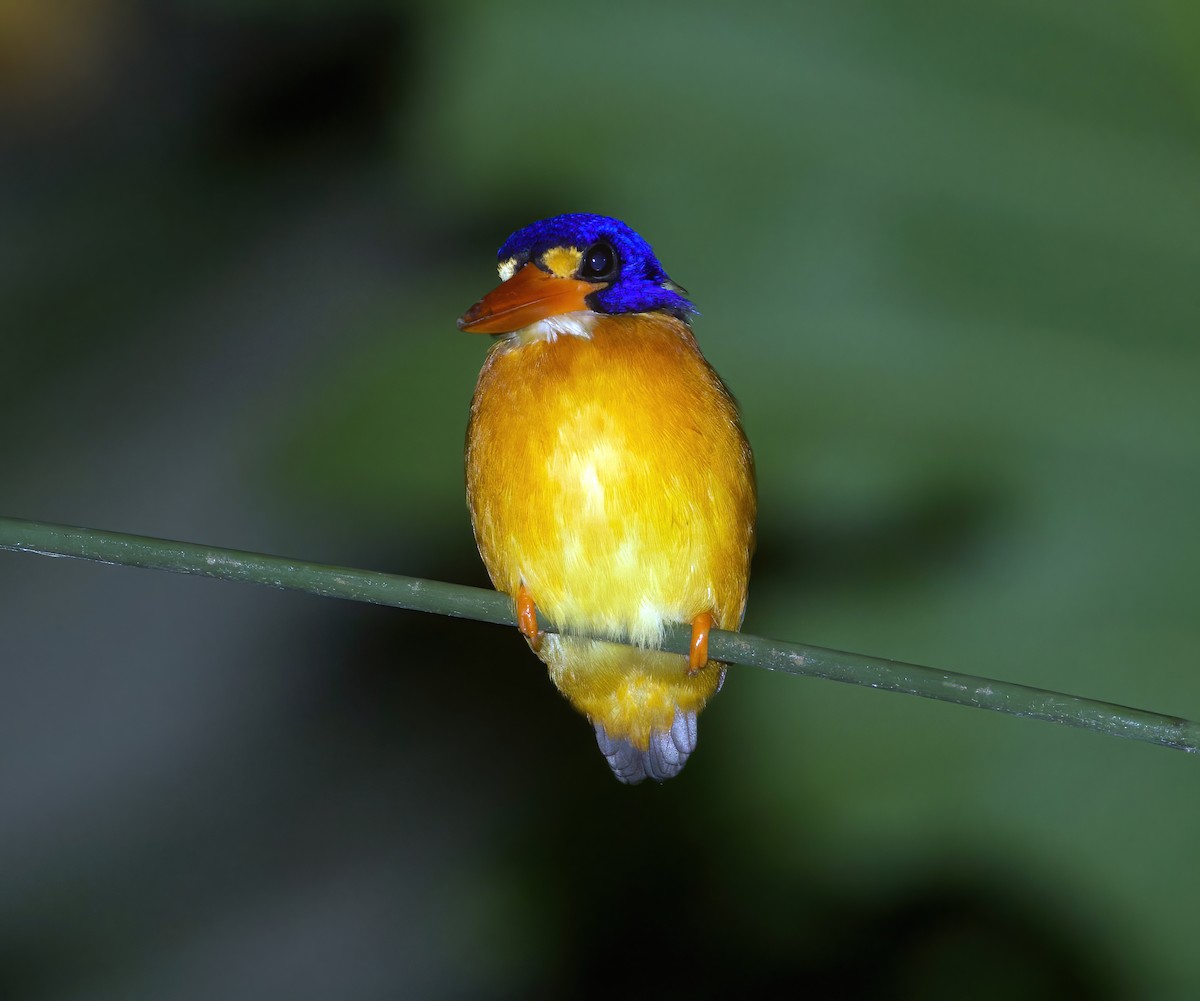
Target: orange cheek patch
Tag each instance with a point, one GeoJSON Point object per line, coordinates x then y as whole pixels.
{"type": "Point", "coordinates": [562, 262]}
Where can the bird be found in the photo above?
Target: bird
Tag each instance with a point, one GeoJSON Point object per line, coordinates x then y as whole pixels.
{"type": "Point", "coordinates": [610, 484]}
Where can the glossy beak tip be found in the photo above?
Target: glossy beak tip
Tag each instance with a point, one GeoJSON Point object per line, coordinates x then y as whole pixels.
{"type": "Point", "coordinates": [469, 317]}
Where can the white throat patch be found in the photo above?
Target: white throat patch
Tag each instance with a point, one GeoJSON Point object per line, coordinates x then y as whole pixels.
{"type": "Point", "coordinates": [577, 324]}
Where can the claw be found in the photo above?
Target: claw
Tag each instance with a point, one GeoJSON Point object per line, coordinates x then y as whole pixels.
{"type": "Point", "coordinates": [698, 655]}
{"type": "Point", "coordinates": [527, 619]}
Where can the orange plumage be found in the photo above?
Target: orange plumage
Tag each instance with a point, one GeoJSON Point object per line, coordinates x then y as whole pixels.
{"type": "Point", "coordinates": [608, 476]}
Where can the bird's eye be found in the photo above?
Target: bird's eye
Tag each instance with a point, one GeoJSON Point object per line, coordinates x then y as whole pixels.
{"type": "Point", "coordinates": [599, 262]}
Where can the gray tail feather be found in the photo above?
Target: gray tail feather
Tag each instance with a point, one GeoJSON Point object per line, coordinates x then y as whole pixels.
{"type": "Point", "coordinates": [663, 759]}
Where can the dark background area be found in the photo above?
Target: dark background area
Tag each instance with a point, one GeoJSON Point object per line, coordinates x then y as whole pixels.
{"type": "Point", "coordinates": [946, 256]}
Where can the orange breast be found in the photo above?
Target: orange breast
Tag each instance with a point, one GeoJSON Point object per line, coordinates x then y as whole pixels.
{"type": "Point", "coordinates": [611, 476]}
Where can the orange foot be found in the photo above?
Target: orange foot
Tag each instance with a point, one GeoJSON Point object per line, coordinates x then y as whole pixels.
{"type": "Point", "coordinates": [698, 656]}
{"type": "Point", "coordinates": [527, 619]}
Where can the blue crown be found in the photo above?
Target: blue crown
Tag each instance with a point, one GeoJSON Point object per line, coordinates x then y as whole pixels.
{"type": "Point", "coordinates": [640, 284]}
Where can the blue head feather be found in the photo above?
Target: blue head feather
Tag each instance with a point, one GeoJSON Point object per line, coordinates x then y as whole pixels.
{"type": "Point", "coordinates": [640, 284]}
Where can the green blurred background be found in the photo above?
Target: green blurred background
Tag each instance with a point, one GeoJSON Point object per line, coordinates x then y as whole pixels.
{"type": "Point", "coordinates": [947, 258]}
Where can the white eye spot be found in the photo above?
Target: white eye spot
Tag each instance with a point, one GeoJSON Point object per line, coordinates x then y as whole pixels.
{"type": "Point", "coordinates": [507, 268]}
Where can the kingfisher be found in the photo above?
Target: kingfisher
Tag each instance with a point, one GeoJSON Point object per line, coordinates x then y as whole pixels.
{"type": "Point", "coordinates": [610, 483]}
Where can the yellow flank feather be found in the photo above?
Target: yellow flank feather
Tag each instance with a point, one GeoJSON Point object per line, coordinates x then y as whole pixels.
{"type": "Point", "coordinates": [609, 474]}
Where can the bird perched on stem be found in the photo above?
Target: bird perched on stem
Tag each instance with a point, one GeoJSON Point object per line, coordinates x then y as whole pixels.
{"type": "Point", "coordinates": [610, 483]}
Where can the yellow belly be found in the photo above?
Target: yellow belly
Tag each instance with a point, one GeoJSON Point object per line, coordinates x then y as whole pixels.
{"type": "Point", "coordinates": [610, 475]}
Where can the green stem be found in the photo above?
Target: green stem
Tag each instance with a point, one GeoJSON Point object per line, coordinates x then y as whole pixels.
{"type": "Point", "coordinates": [490, 606]}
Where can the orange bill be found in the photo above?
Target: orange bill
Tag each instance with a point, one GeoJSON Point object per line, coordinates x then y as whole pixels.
{"type": "Point", "coordinates": [528, 296]}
